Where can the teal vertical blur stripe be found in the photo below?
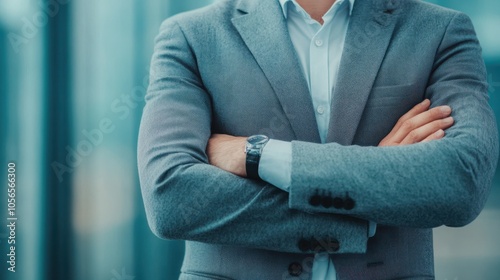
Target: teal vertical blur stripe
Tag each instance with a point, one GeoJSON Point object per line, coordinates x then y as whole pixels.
{"type": "Point", "coordinates": [112, 46]}
{"type": "Point", "coordinates": [22, 102]}
{"type": "Point", "coordinates": [58, 227]}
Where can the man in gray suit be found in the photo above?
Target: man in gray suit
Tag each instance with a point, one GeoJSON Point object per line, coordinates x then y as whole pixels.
{"type": "Point", "coordinates": [347, 168]}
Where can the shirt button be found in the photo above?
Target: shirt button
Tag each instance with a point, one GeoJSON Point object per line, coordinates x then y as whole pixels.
{"type": "Point", "coordinates": [318, 43]}
{"type": "Point", "coordinates": [320, 110]}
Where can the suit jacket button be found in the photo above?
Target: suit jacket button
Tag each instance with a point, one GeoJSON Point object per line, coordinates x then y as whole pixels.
{"type": "Point", "coordinates": [315, 200]}
{"type": "Point", "coordinates": [304, 245]}
{"type": "Point", "coordinates": [349, 204]}
{"type": "Point", "coordinates": [295, 269]}
{"type": "Point", "coordinates": [338, 203]}
{"type": "Point", "coordinates": [327, 202]}
{"type": "Point", "coordinates": [315, 245]}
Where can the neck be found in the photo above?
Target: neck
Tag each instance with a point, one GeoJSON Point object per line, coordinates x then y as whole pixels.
{"type": "Point", "coordinates": [316, 8]}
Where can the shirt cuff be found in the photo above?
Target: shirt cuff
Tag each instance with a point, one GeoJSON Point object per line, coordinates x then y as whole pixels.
{"type": "Point", "coordinates": [275, 166]}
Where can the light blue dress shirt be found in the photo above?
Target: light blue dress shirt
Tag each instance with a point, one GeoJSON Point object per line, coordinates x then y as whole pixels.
{"type": "Point", "coordinates": [319, 46]}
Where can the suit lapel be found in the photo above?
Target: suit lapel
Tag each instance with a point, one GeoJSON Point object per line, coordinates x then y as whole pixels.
{"type": "Point", "coordinates": [262, 27]}
{"type": "Point", "coordinates": [369, 33]}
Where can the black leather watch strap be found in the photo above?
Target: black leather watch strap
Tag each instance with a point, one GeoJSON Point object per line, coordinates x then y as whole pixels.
{"type": "Point", "coordinates": [252, 166]}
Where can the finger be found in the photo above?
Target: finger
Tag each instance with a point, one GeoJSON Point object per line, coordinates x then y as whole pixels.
{"type": "Point", "coordinates": [417, 109]}
{"type": "Point", "coordinates": [434, 136]}
{"type": "Point", "coordinates": [420, 120]}
{"type": "Point", "coordinates": [427, 130]}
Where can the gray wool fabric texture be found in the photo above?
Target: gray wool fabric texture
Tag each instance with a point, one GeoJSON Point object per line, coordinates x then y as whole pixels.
{"type": "Point", "coordinates": [231, 68]}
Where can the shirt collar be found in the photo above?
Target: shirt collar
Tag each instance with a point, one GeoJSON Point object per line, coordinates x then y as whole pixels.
{"type": "Point", "coordinates": [284, 8]}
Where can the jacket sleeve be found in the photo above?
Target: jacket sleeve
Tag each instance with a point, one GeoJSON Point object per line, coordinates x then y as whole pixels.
{"type": "Point", "coordinates": [442, 182]}
{"type": "Point", "coordinates": [187, 198]}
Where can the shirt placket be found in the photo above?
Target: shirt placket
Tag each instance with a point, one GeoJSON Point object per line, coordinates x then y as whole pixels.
{"type": "Point", "coordinates": [319, 78]}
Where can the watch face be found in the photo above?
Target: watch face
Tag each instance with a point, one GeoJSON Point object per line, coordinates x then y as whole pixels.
{"type": "Point", "coordinates": [257, 139]}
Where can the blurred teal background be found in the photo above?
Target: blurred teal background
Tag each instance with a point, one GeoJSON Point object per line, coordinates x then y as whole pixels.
{"type": "Point", "coordinates": [72, 77]}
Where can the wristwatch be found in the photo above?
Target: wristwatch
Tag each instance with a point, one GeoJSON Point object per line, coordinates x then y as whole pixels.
{"type": "Point", "coordinates": [253, 149]}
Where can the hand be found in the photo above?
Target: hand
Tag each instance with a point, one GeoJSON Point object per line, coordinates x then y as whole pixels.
{"type": "Point", "coordinates": [228, 153]}
{"type": "Point", "coordinates": [420, 124]}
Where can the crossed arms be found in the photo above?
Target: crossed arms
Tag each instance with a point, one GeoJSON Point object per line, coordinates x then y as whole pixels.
{"type": "Point", "coordinates": [427, 184]}
{"type": "Point", "coordinates": [419, 125]}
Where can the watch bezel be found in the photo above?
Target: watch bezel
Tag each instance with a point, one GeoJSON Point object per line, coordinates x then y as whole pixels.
{"type": "Point", "coordinates": [255, 143]}
{"type": "Point", "coordinates": [257, 139]}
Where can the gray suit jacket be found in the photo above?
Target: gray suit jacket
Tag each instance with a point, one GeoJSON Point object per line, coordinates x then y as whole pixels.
{"type": "Point", "coordinates": [231, 68]}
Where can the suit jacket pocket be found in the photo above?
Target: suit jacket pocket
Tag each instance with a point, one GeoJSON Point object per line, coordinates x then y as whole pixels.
{"type": "Point", "coordinates": [396, 95]}
{"type": "Point", "coordinates": [384, 107]}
